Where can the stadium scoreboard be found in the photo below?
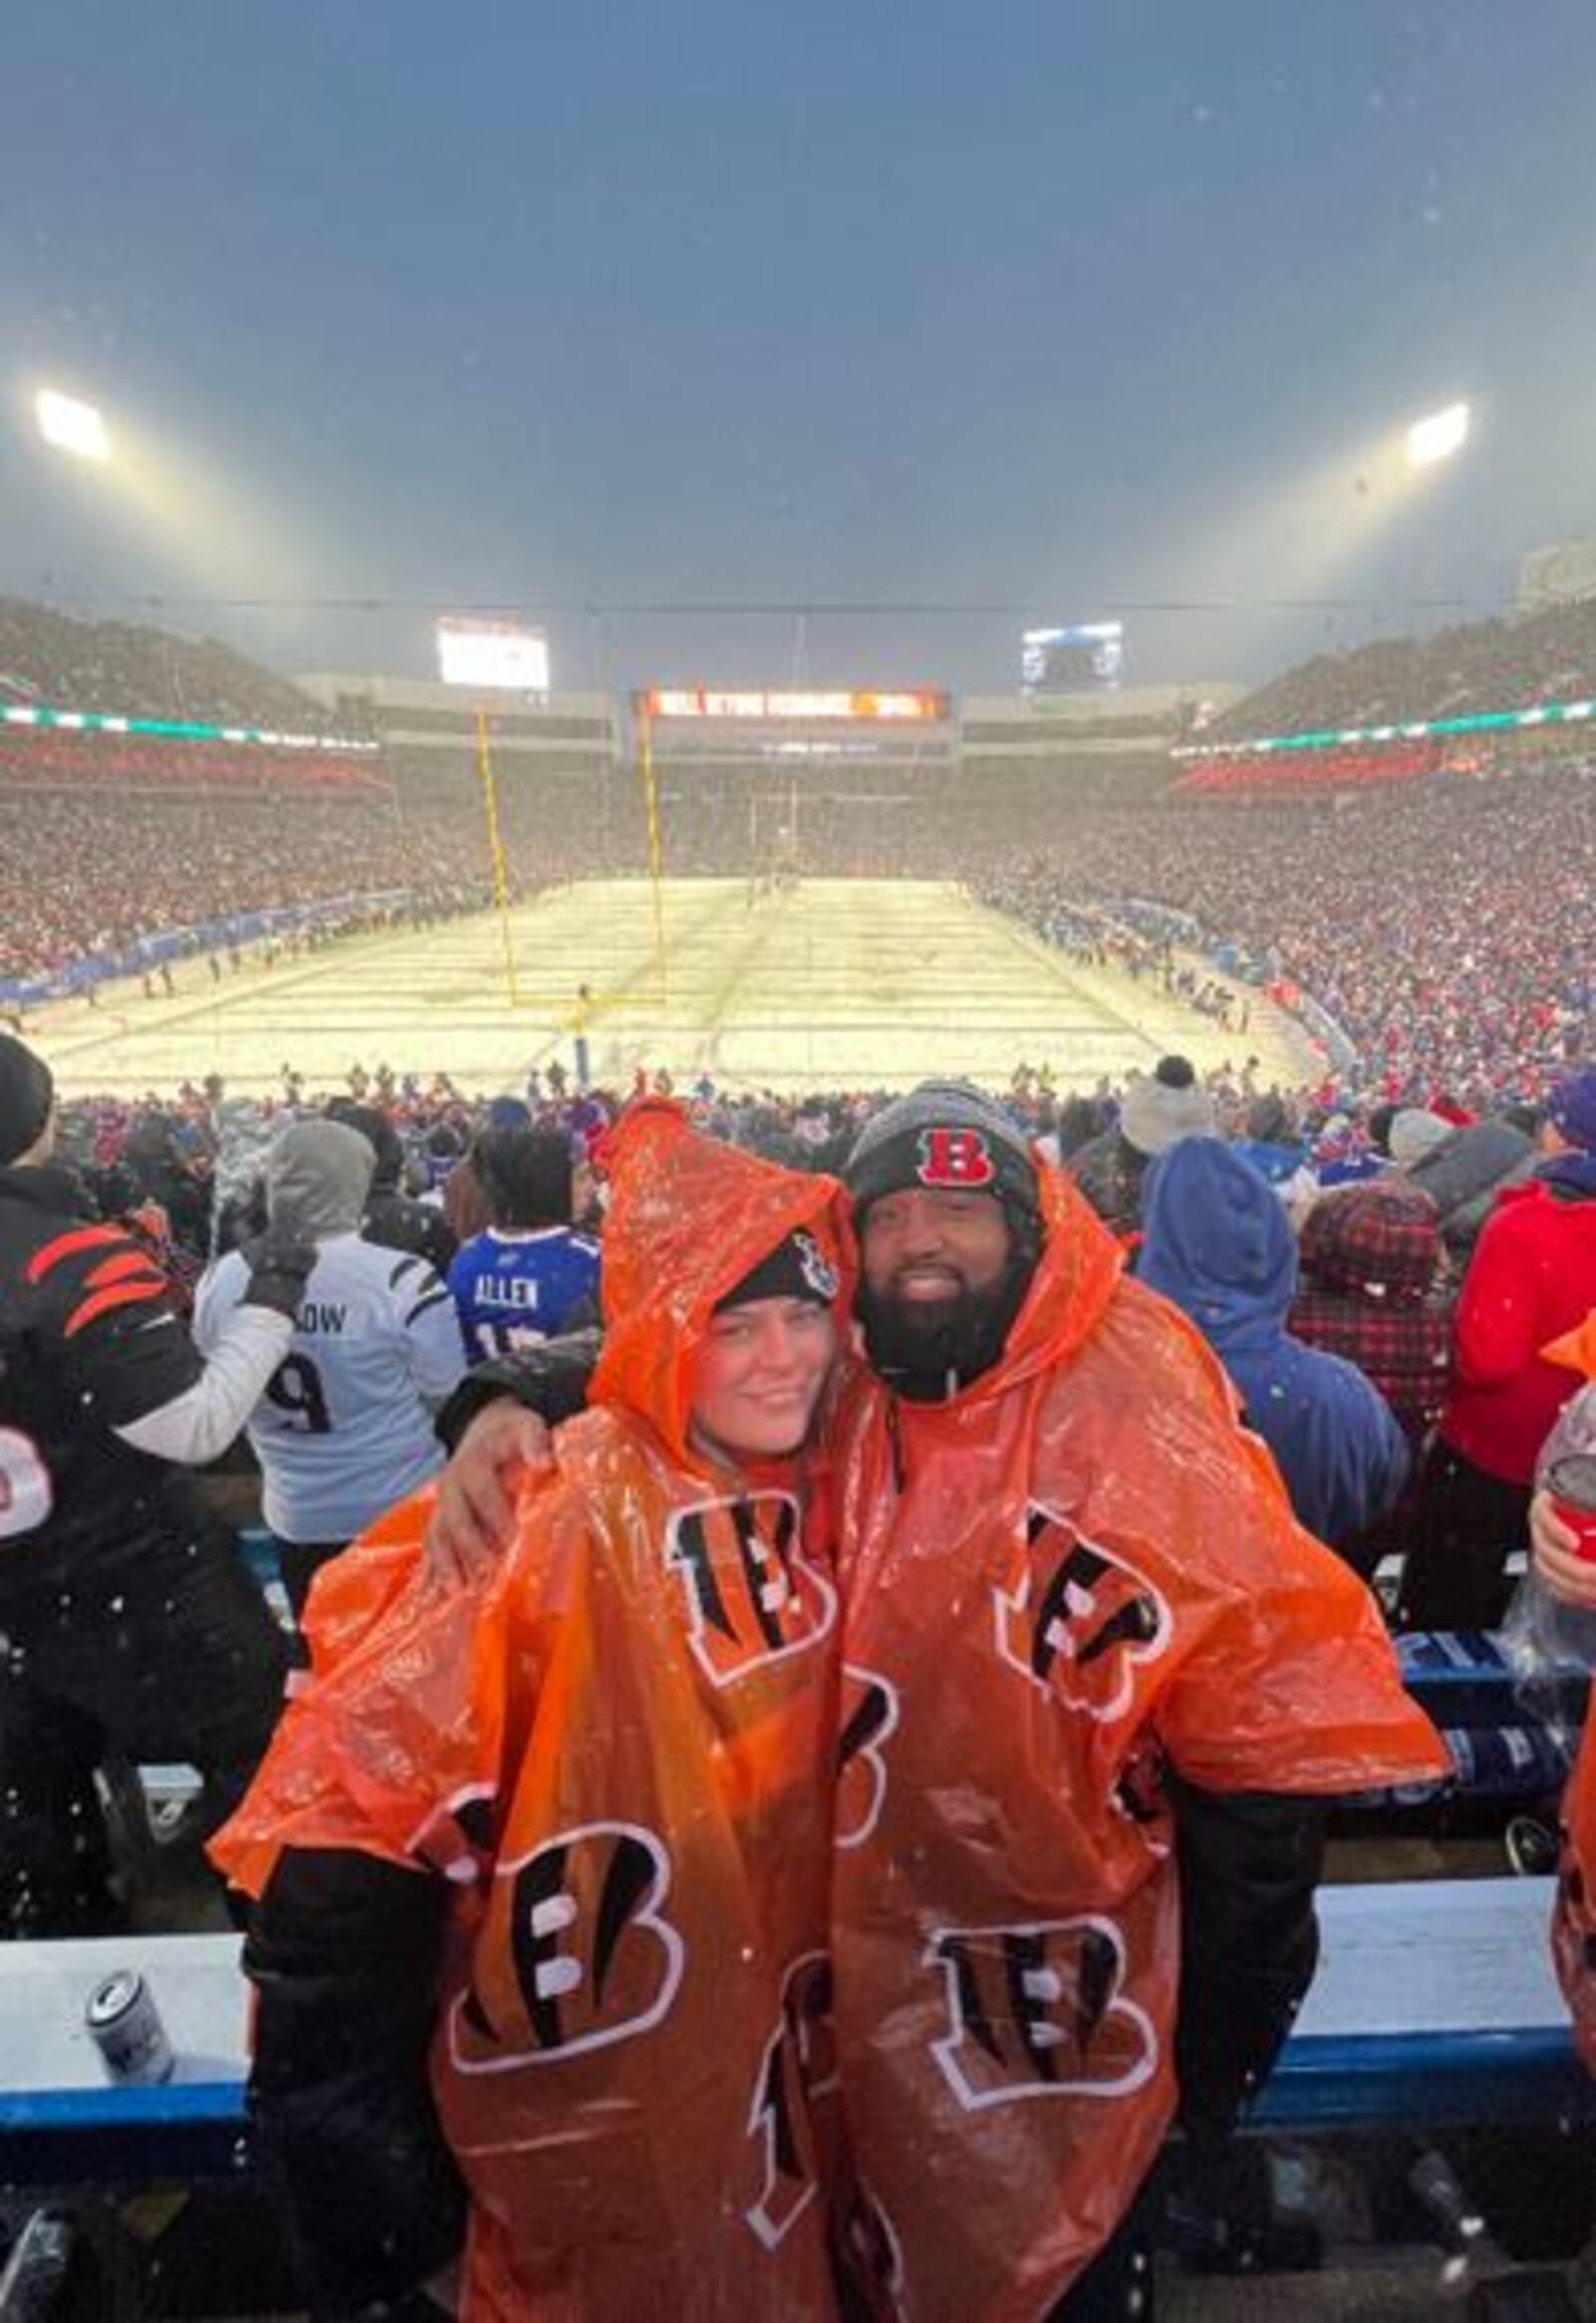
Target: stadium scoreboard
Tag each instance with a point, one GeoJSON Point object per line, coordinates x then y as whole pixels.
{"type": "Point", "coordinates": [497, 654]}
{"type": "Point", "coordinates": [1078, 658]}
{"type": "Point", "coordinates": [924, 706]}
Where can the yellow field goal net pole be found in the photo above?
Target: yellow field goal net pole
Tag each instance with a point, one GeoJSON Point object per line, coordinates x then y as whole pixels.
{"type": "Point", "coordinates": [650, 793]}
{"type": "Point", "coordinates": [500, 886]}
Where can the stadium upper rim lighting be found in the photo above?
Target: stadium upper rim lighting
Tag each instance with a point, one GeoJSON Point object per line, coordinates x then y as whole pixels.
{"type": "Point", "coordinates": [44, 718]}
{"type": "Point", "coordinates": [1413, 730]}
{"type": "Point", "coordinates": [71, 426]}
{"type": "Point", "coordinates": [1439, 435]}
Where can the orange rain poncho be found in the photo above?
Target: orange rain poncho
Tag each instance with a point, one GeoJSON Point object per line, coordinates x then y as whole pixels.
{"type": "Point", "coordinates": [1574, 1914]}
{"type": "Point", "coordinates": [619, 1749]}
{"type": "Point", "coordinates": [1075, 1572]}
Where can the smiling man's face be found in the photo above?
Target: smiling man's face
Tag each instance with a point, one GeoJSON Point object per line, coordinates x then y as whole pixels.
{"type": "Point", "coordinates": [924, 1251]}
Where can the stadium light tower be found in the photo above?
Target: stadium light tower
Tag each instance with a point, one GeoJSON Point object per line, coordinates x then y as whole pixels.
{"type": "Point", "coordinates": [71, 426]}
{"type": "Point", "coordinates": [1438, 436]}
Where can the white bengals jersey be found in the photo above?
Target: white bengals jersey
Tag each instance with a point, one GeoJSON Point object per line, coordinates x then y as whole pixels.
{"type": "Point", "coordinates": [344, 1428]}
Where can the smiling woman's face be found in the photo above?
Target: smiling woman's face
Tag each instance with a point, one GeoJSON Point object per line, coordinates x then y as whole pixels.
{"type": "Point", "coordinates": [757, 1375]}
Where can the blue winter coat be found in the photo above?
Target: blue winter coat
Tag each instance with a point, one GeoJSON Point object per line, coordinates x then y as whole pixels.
{"type": "Point", "coordinates": [1217, 1243]}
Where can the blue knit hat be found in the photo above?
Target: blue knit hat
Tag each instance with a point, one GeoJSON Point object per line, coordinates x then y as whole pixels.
{"type": "Point", "coordinates": [1571, 1108]}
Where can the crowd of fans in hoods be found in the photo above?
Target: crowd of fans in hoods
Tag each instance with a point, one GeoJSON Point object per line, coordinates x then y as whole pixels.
{"type": "Point", "coordinates": [1370, 1284]}
{"type": "Point", "coordinates": [1384, 1313]}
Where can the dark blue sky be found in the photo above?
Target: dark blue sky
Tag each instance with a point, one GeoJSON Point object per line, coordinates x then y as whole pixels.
{"type": "Point", "coordinates": [1048, 305]}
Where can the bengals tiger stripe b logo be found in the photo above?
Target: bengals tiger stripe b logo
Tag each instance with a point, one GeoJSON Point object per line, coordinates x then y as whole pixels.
{"type": "Point", "coordinates": [797, 2070]}
{"type": "Point", "coordinates": [956, 1160]}
{"type": "Point", "coordinates": [752, 1595]}
{"type": "Point", "coordinates": [1038, 2009]}
{"type": "Point", "coordinates": [577, 1952]}
{"type": "Point", "coordinates": [868, 1717]}
{"type": "Point", "coordinates": [1079, 1621]}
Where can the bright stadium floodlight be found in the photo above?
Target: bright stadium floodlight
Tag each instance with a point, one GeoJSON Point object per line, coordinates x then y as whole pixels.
{"type": "Point", "coordinates": [1438, 436]}
{"type": "Point", "coordinates": [71, 426]}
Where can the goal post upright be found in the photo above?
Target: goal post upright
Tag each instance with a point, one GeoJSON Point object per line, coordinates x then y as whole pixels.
{"type": "Point", "coordinates": [650, 793]}
{"type": "Point", "coordinates": [501, 889]}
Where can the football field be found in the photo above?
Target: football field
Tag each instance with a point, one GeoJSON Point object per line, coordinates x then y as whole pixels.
{"type": "Point", "coordinates": [834, 984]}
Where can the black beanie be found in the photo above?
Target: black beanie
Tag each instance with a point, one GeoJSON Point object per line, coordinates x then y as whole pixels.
{"type": "Point", "coordinates": [27, 1091]}
{"type": "Point", "coordinates": [526, 1175]}
{"type": "Point", "coordinates": [949, 1137]}
{"type": "Point", "coordinates": [796, 1269]}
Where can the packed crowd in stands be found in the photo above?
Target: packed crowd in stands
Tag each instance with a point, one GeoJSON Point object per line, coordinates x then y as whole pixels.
{"type": "Point", "coordinates": [124, 670]}
{"type": "Point", "coordinates": [1305, 771]}
{"type": "Point", "coordinates": [80, 879]}
{"type": "Point", "coordinates": [1444, 926]}
{"type": "Point", "coordinates": [50, 761]}
{"type": "Point", "coordinates": [1480, 666]}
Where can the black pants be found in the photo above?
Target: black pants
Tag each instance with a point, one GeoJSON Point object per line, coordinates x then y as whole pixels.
{"type": "Point", "coordinates": [1469, 1524]}
{"type": "Point", "coordinates": [299, 1562]}
{"type": "Point", "coordinates": [161, 1648]}
{"type": "Point", "coordinates": [1117, 2287]}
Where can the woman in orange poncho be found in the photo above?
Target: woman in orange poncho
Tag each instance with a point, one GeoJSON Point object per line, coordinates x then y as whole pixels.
{"type": "Point", "coordinates": [542, 1866]}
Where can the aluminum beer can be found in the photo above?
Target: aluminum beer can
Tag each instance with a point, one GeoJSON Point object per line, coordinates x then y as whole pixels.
{"type": "Point", "coordinates": [1572, 1484]}
{"type": "Point", "coordinates": [125, 2026]}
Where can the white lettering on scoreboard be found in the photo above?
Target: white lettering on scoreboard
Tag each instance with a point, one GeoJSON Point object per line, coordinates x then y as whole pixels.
{"type": "Point", "coordinates": [922, 703]}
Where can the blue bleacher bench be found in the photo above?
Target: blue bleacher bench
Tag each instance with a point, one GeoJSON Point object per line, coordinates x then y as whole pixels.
{"type": "Point", "coordinates": [1435, 2005]}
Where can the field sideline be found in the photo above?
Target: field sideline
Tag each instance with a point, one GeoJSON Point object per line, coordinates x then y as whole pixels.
{"type": "Point", "coordinates": [838, 983]}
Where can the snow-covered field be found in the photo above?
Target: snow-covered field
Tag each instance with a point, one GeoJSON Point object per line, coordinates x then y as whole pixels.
{"type": "Point", "coordinates": [837, 983]}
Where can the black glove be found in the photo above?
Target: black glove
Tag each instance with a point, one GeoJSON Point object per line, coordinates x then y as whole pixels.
{"type": "Point", "coordinates": [551, 1380]}
{"type": "Point", "coordinates": [279, 1266]}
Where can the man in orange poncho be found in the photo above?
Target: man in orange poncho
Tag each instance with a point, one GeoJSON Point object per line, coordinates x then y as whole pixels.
{"type": "Point", "coordinates": [565, 1836]}
{"type": "Point", "coordinates": [1096, 1680]}
{"type": "Point", "coordinates": [1567, 1572]}
{"type": "Point", "coordinates": [1112, 1675]}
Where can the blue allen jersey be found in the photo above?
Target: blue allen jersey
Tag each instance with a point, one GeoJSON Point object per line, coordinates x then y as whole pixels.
{"type": "Point", "coordinates": [512, 1289]}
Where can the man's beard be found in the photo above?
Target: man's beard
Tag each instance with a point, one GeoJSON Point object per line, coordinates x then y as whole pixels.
{"type": "Point", "coordinates": [928, 1348]}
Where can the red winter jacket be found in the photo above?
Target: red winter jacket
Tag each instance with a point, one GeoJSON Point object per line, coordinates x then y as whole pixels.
{"type": "Point", "coordinates": [1532, 1277]}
